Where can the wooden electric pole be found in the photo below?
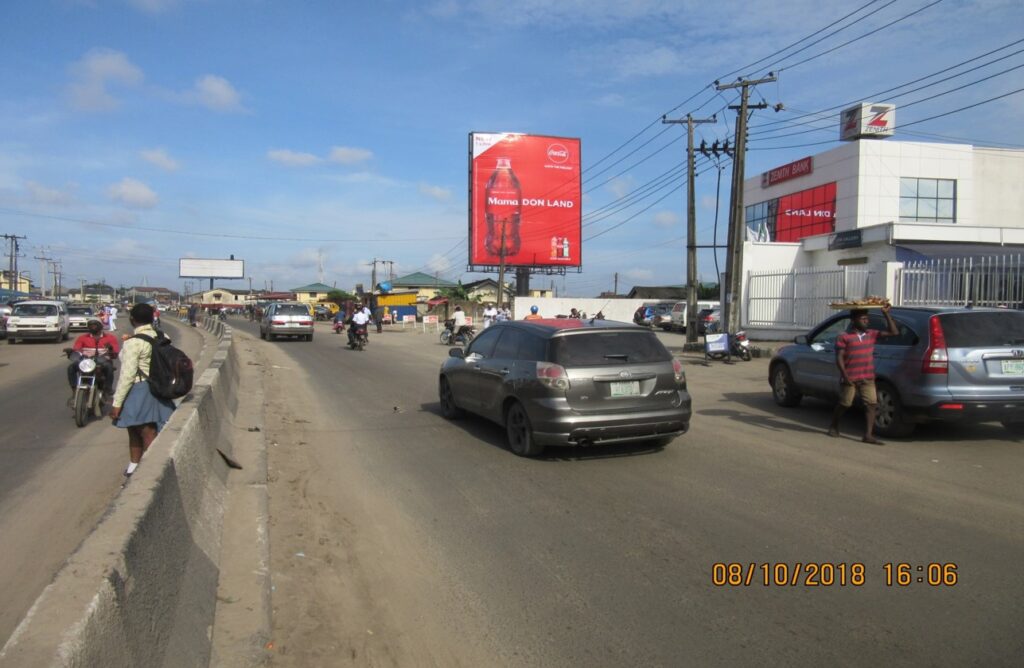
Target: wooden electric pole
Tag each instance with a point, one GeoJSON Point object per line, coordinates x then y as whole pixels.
{"type": "Point", "coordinates": [691, 227]}
{"type": "Point", "coordinates": [737, 227]}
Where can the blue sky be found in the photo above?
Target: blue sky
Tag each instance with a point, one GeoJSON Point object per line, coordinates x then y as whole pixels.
{"type": "Point", "coordinates": [308, 138]}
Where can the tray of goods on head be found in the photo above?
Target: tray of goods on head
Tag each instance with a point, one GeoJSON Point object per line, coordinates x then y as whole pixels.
{"type": "Point", "coordinates": [866, 302]}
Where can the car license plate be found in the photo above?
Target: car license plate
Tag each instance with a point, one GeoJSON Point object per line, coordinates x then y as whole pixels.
{"type": "Point", "coordinates": [629, 388]}
{"type": "Point", "coordinates": [1013, 367]}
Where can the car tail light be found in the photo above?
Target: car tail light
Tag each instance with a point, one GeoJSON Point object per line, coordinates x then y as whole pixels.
{"type": "Point", "coordinates": [936, 359]}
{"type": "Point", "coordinates": [951, 407]}
{"type": "Point", "coordinates": [677, 369]}
{"type": "Point", "coordinates": [305, 322]}
{"type": "Point", "coordinates": [552, 375]}
{"type": "Point", "coordinates": [277, 322]}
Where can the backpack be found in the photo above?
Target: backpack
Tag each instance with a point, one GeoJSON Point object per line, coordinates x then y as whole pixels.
{"type": "Point", "coordinates": [170, 370]}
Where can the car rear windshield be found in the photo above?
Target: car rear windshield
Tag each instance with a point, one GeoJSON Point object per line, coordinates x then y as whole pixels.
{"type": "Point", "coordinates": [607, 348]}
{"type": "Point", "coordinates": [79, 310]}
{"type": "Point", "coordinates": [35, 309]}
{"type": "Point", "coordinates": [976, 329]}
{"type": "Point", "coordinates": [292, 309]}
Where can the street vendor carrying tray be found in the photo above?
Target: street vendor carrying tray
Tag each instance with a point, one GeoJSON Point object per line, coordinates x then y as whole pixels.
{"type": "Point", "coordinates": [865, 303]}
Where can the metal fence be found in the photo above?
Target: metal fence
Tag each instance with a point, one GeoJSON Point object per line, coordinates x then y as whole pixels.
{"type": "Point", "coordinates": [800, 298]}
{"type": "Point", "coordinates": [985, 281]}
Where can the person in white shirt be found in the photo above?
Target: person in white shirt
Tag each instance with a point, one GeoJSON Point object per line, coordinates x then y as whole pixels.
{"type": "Point", "coordinates": [360, 318]}
{"type": "Point", "coordinates": [490, 315]}
{"type": "Point", "coordinates": [459, 320]}
{"type": "Point", "coordinates": [113, 317]}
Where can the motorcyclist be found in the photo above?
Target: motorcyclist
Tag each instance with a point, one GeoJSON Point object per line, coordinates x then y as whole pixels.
{"type": "Point", "coordinates": [100, 345]}
{"type": "Point", "coordinates": [533, 314]}
{"type": "Point", "coordinates": [360, 318]}
{"type": "Point", "coordinates": [459, 325]}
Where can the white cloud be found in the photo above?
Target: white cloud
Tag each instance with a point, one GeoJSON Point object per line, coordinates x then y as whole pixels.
{"type": "Point", "coordinates": [216, 93]}
{"type": "Point", "coordinates": [292, 158]}
{"type": "Point", "coordinates": [435, 192]}
{"type": "Point", "coordinates": [159, 157]}
{"type": "Point", "coordinates": [41, 194]}
{"type": "Point", "coordinates": [152, 6]}
{"type": "Point", "coordinates": [666, 218]}
{"type": "Point", "coordinates": [707, 202]}
{"type": "Point", "coordinates": [638, 274]}
{"type": "Point", "coordinates": [620, 186]}
{"type": "Point", "coordinates": [438, 263]}
{"type": "Point", "coordinates": [349, 156]}
{"type": "Point", "coordinates": [630, 58]}
{"type": "Point", "coordinates": [94, 73]}
{"type": "Point", "coordinates": [133, 193]}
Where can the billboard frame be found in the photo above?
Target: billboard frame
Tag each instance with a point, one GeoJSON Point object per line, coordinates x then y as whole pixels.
{"type": "Point", "coordinates": [543, 269]}
{"type": "Point", "coordinates": [225, 277]}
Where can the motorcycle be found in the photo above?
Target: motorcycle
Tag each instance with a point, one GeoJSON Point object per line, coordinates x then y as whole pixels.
{"type": "Point", "coordinates": [338, 327]}
{"type": "Point", "coordinates": [449, 337]}
{"type": "Point", "coordinates": [360, 337]}
{"type": "Point", "coordinates": [88, 397]}
{"type": "Point", "coordinates": [740, 345]}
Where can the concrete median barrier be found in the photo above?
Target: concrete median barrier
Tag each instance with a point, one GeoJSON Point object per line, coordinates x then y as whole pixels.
{"type": "Point", "coordinates": [141, 589]}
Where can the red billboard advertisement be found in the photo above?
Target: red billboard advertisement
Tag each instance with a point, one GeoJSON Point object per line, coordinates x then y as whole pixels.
{"type": "Point", "coordinates": [807, 213]}
{"type": "Point", "coordinates": [525, 200]}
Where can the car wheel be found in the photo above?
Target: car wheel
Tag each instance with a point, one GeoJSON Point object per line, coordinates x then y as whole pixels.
{"type": "Point", "coordinates": [448, 406]}
{"type": "Point", "coordinates": [10, 342]}
{"type": "Point", "coordinates": [661, 441]}
{"type": "Point", "coordinates": [309, 337]}
{"type": "Point", "coordinates": [519, 432]}
{"type": "Point", "coordinates": [890, 418]}
{"type": "Point", "coordinates": [1015, 428]}
{"type": "Point", "coordinates": [784, 390]}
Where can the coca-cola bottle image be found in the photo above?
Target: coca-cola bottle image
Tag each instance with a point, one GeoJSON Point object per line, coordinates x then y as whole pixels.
{"type": "Point", "coordinates": [503, 210]}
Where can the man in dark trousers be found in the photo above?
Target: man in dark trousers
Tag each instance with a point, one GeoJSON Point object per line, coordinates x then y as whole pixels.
{"type": "Point", "coordinates": [855, 350]}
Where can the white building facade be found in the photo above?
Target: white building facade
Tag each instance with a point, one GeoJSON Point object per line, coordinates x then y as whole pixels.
{"type": "Point", "coordinates": [875, 204]}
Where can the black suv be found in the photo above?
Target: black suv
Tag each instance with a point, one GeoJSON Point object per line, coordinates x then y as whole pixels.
{"type": "Point", "coordinates": [568, 382]}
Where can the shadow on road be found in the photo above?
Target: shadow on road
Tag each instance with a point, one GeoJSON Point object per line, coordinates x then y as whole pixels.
{"type": "Point", "coordinates": [494, 435]}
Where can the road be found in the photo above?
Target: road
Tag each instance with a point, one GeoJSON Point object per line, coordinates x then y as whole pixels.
{"type": "Point", "coordinates": [399, 538]}
{"type": "Point", "coordinates": [56, 480]}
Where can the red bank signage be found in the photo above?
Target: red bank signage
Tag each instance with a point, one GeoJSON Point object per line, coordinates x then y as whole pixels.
{"type": "Point", "coordinates": [793, 170]}
{"type": "Point", "coordinates": [525, 202]}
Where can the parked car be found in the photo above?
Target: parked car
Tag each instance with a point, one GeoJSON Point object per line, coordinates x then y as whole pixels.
{"type": "Point", "coordinates": [321, 312]}
{"type": "Point", "coordinates": [962, 365]}
{"type": "Point", "coordinates": [568, 382]}
{"type": "Point", "coordinates": [286, 319]}
{"type": "Point", "coordinates": [657, 314]}
{"type": "Point", "coordinates": [709, 320]}
{"type": "Point", "coordinates": [38, 319]}
{"type": "Point", "coordinates": [79, 316]}
{"type": "Point", "coordinates": [678, 320]}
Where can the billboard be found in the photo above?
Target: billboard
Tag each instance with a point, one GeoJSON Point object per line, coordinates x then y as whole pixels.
{"type": "Point", "coordinates": [524, 200]}
{"type": "Point", "coordinates": [867, 121]}
{"type": "Point", "coordinates": [194, 267]}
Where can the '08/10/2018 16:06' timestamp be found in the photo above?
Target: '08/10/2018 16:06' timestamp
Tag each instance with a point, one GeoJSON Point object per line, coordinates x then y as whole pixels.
{"type": "Point", "coordinates": [830, 574]}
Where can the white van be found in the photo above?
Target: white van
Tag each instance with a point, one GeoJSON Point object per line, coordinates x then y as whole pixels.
{"type": "Point", "coordinates": [679, 313]}
{"type": "Point", "coordinates": [38, 320]}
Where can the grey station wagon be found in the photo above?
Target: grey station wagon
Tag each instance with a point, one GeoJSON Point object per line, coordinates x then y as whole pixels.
{"type": "Point", "coordinates": [963, 365]}
{"type": "Point", "coordinates": [568, 382]}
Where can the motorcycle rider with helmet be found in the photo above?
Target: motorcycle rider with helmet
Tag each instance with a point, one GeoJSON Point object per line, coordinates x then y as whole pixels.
{"type": "Point", "coordinates": [361, 317]}
{"type": "Point", "coordinates": [100, 345]}
{"type": "Point", "coordinates": [533, 314]}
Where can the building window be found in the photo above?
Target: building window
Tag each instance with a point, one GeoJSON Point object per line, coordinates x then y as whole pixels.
{"type": "Point", "coordinates": [932, 200]}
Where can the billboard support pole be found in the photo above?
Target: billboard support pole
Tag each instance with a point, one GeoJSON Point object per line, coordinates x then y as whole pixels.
{"type": "Point", "coordinates": [501, 268]}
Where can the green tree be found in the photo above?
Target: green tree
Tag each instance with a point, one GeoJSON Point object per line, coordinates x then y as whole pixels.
{"type": "Point", "coordinates": [339, 296]}
{"type": "Point", "coordinates": [456, 292]}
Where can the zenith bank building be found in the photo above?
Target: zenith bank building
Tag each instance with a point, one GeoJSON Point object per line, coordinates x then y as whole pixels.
{"type": "Point", "coordinates": [880, 202]}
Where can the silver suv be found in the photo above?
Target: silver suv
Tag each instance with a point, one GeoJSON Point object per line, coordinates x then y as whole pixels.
{"type": "Point", "coordinates": [41, 319]}
{"type": "Point", "coordinates": [964, 365]}
{"type": "Point", "coordinates": [568, 382]}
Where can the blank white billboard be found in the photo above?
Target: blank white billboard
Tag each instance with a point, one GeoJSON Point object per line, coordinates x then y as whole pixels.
{"type": "Point", "coordinates": [194, 267]}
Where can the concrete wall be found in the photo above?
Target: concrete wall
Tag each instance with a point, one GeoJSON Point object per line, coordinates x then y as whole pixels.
{"type": "Point", "coordinates": [141, 589]}
{"type": "Point", "coordinates": [549, 307]}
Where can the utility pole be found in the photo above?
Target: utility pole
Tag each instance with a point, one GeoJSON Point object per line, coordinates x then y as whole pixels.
{"type": "Point", "coordinates": [12, 276]}
{"type": "Point", "coordinates": [615, 290]}
{"type": "Point", "coordinates": [737, 228]}
{"type": "Point", "coordinates": [501, 266]}
{"type": "Point", "coordinates": [42, 271]}
{"type": "Point", "coordinates": [691, 227]}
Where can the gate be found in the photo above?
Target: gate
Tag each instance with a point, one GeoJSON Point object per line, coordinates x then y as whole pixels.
{"type": "Point", "coordinates": [800, 298]}
{"type": "Point", "coordinates": [985, 281]}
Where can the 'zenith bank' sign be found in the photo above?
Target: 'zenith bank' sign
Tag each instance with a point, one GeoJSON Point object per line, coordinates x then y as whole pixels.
{"type": "Point", "coordinates": [793, 170]}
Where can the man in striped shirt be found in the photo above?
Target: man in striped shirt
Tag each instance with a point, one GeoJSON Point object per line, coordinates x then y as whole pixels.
{"type": "Point", "coordinates": [855, 350]}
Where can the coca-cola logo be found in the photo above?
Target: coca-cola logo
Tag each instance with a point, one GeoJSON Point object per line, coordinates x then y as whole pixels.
{"type": "Point", "coordinates": [558, 153]}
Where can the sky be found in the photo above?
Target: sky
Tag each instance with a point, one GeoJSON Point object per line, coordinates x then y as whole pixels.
{"type": "Point", "coordinates": [308, 139]}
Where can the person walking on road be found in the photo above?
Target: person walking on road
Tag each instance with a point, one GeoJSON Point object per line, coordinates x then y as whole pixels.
{"type": "Point", "coordinates": [855, 349]}
{"type": "Point", "coordinates": [490, 315]}
{"type": "Point", "coordinates": [135, 408]}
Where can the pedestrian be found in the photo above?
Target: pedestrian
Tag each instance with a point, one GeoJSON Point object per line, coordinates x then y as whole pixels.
{"type": "Point", "coordinates": [113, 317]}
{"type": "Point", "coordinates": [855, 349]}
{"type": "Point", "coordinates": [533, 314]}
{"type": "Point", "coordinates": [193, 314]}
{"type": "Point", "coordinates": [135, 407]}
{"type": "Point", "coordinates": [638, 314]}
{"type": "Point", "coordinates": [490, 315]}
{"type": "Point", "coordinates": [104, 317]}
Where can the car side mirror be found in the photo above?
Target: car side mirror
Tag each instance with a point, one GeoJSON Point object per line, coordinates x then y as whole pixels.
{"type": "Point", "coordinates": [457, 352]}
{"type": "Point", "coordinates": [802, 339]}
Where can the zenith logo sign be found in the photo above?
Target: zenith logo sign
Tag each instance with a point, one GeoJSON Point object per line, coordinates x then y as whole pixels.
{"type": "Point", "coordinates": [879, 120]}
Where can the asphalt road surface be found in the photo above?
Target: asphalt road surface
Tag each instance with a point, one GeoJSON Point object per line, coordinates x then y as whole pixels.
{"type": "Point", "coordinates": [400, 538]}
{"type": "Point", "coordinates": [56, 480]}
